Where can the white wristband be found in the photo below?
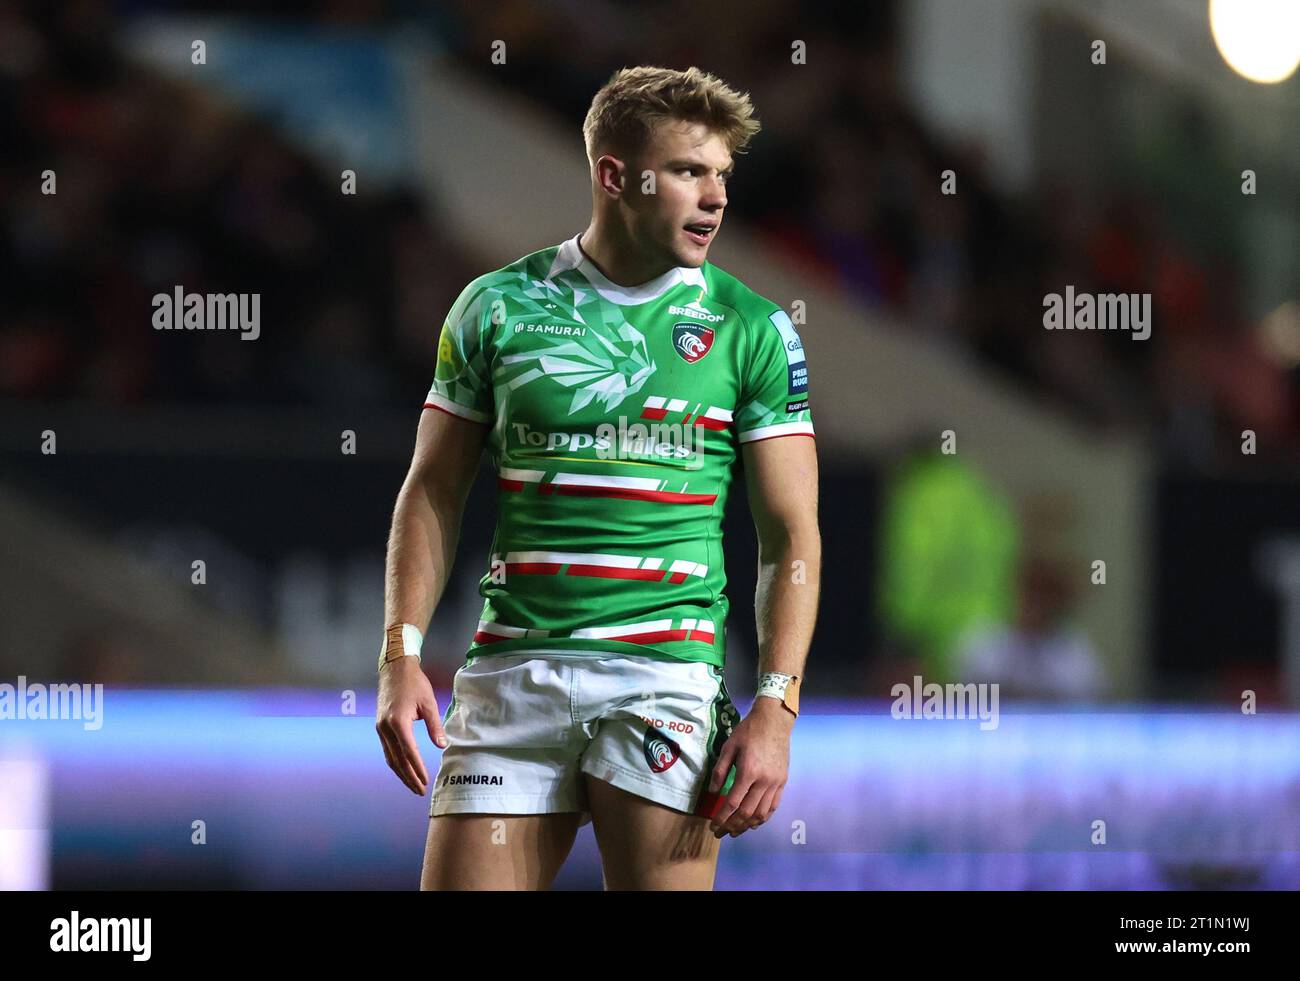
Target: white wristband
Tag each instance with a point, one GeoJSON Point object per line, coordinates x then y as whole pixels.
{"type": "Point", "coordinates": [773, 684]}
{"type": "Point", "coordinates": [783, 687]}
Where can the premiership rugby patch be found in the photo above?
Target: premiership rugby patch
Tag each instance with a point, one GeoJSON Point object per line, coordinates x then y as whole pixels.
{"type": "Point", "coordinates": [794, 357]}
{"type": "Point", "coordinates": [692, 341]}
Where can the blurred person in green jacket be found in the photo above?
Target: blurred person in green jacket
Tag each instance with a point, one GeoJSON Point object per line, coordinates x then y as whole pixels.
{"type": "Point", "coordinates": [948, 557]}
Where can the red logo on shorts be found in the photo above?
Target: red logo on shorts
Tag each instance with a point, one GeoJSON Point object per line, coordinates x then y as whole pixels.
{"type": "Point", "coordinates": [660, 751]}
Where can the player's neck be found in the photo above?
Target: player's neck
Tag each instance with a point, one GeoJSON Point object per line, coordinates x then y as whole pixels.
{"type": "Point", "coordinates": [616, 259]}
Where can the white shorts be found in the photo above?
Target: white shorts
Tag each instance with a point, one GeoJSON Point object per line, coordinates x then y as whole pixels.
{"type": "Point", "coordinates": [523, 728]}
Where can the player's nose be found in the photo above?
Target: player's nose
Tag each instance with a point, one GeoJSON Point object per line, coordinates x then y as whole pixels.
{"type": "Point", "coordinates": [713, 195]}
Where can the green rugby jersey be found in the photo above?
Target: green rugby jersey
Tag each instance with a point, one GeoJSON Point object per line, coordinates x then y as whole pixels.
{"type": "Point", "coordinates": [616, 416]}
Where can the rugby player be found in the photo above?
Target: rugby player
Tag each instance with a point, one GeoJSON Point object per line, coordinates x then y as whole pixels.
{"type": "Point", "coordinates": [616, 381]}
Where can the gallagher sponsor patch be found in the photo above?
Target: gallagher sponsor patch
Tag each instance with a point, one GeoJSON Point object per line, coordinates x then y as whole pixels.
{"type": "Point", "coordinates": [793, 353]}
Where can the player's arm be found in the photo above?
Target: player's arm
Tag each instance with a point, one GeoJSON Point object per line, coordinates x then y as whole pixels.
{"type": "Point", "coordinates": [781, 480]}
{"type": "Point", "coordinates": [774, 428]}
{"type": "Point", "coordinates": [426, 523]}
{"type": "Point", "coordinates": [421, 550]}
{"type": "Point", "coordinates": [426, 520]}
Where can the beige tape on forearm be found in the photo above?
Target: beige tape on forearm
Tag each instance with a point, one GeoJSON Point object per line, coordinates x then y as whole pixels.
{"type": "Point", "coordinates": [401, 640]}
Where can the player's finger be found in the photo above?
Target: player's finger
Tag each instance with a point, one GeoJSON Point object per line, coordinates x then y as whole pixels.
{"type": "Point", "coordinates": [731, 803]}
{"type": "Point", "coordinates": [433, 723]}
{"type": "Point", "coordinates": [744, 814]}
{"type": "Point", "coordinates": [756, 808]}
{"type": "Point", "coordinates": [395, 762]}
{"type": "Point", "coordinates": [411, 753]}
{"type": "Point", "coordinates": [761, 813]}
{"type": "Point", "coordinates": [383, 741]}
{"type": "Point", "coordinates": [768, 807]}
{"type": "Point", "coordinates": [403, 766]}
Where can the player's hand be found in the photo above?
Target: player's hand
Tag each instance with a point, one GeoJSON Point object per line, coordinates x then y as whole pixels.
{"type": "Point", "coordinates": [404, 696]}
{"type": "Point", "coordinates": [760, 749]}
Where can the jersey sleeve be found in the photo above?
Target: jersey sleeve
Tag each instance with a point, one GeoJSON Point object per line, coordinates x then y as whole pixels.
{"type": "Point", "coordinates": [774, 391]}
{"type": "Point", "coordinates": [462, 379]}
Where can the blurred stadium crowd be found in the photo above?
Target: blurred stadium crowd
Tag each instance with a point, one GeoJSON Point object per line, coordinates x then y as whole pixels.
{"type": "Point", "coordinates": [157, 183]}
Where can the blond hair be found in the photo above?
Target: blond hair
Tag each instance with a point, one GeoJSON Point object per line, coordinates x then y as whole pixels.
{"type": "Point", "coordinates": [627, 109]}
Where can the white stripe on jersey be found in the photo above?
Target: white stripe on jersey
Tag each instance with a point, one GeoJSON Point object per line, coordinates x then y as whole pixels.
{"type": "Point", "coordinates": [599, 480]}
{"type": "Point", "coordinates": [779, 429]}
{"type": "Point", "coordinates": [623, 628]}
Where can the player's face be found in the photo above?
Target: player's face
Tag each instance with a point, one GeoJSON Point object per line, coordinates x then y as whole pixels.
{"type": "Point", "coordinates": [680, 220]}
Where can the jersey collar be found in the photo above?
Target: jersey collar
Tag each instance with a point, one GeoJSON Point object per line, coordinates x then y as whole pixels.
{"type": "Point", "coordinates": [571, 256]}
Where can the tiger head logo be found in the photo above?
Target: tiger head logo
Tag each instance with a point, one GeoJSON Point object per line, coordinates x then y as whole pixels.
{"type": "Point", "coordinates": [692, 341]}
{"type": "Point", "coordinates": [660, 751]}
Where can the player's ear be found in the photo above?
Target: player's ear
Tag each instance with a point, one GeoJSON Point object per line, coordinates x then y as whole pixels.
{"type": "Point", "coordinates": [611, 174]}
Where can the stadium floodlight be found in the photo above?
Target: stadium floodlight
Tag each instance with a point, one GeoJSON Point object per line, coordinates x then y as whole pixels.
{"type": "Point", "coordinates": [1259, 39]}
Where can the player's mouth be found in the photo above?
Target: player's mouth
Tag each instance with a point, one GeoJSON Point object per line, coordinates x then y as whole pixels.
{"type": "Point", "coordinates": [701, 232]}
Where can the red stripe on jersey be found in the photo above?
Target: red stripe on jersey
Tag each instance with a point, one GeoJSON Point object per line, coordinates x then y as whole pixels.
{"type": "Point", "coordinates": [677, 577]}
{"type": "Point", "coordinates": [615, 572]}
{"type": "Point", "coordinates": [632, 494]}
{"type": "Point", "coordinates": [650, 636]}
{"type": "Point", "coordinates": [510, 485]}
{"type": "Point", "coordinates": [653, 413]}
{"type": "Point", "coordinates": [645, 637]}
{"type": "Point", "coordinates": [533, 568]}
{"type": "Point", "coordinates": [708, 423]}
